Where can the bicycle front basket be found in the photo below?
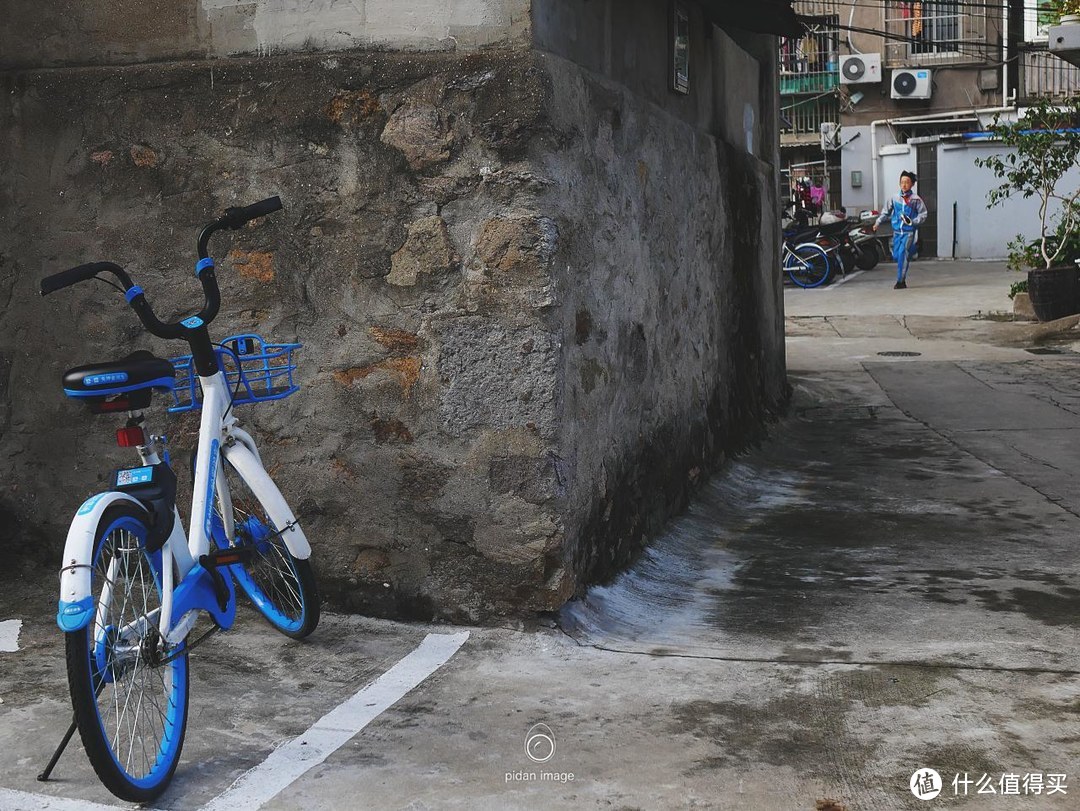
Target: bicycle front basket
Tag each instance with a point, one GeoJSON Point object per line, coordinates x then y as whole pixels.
{"type": "Point", "coordinates": [256, 371]}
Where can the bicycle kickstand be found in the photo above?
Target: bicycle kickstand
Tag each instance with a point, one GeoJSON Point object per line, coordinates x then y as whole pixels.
{"type": "Point", "coordinates": [44, 776]}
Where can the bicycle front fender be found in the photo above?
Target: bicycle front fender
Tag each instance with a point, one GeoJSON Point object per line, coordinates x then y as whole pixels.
{"type": "Point", "coordinates": [252, 472]}
{"type": "Point", "coordinates": [76, 607]}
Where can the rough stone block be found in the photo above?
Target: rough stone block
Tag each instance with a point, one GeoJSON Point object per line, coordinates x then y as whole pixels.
{"type": "Point", "coordinates": [255, 265]}
{"type": "Point", "coordinates": [489, 382]}
{"type": "Point", "coordinates": [427, 249]}
{"type": "Point", "coordinates": [420, 132]}
{"type": "Point", "coordinates": [523, 244]}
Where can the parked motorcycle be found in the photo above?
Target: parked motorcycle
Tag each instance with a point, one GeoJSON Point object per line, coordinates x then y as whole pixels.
{"type": "Point", "coordinates": [835, 236]}
{"type": "Point", "coordinates": [868, 247]}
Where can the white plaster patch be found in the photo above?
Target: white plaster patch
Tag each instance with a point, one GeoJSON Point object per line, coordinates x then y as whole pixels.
{"type": "Point", "coordinates": [9, 635]}
{"type": "Point", "coordinates": [285, 25]}
{"type": "Point", "coordinates": [291, 24]}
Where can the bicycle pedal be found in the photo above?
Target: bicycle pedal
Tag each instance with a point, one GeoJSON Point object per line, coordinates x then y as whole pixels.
{"type": "Point", "coordinates": [226, 557]}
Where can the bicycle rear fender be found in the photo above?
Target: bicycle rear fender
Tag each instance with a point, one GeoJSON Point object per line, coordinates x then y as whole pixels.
{"type": "Point", "coordinates": [251, 470]}
{"type": "Point", "coordinates": [76, 607]}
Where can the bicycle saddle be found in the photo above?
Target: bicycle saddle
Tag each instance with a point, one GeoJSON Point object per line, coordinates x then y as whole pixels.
{"type": "Point", "coordinates": [835, 228]}
{"type": "Point", "coordinates": [104, 385]}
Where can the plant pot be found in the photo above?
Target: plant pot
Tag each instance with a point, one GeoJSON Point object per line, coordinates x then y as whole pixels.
{"type": "Point", "coordinates": [1069, 19]}
{"type": "Point", "coordinates": [1022, 308]}
{"type": "Point", "coordinates": [1054, 292]}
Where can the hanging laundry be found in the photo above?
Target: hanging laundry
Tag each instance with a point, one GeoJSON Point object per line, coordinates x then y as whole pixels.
{"type": "Point", "coordinates": [916, 19]}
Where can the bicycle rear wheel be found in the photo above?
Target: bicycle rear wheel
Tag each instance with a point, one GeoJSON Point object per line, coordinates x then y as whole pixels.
{"type": "Point", "coordinates": [808, 265]}
{"type": "Point", "coordinates": [281, 586]}
{"type": "Point", "coordinates": [129, 693]}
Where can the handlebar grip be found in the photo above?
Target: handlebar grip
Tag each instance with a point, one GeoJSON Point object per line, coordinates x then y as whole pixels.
{"type": "Point", "coordinates": [66, 278]}
{"type": "Point", "coordinates": [236, 217]}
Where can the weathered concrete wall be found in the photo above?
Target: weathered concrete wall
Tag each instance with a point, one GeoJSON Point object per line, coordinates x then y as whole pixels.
{"type": "Point", "coordinates": [538, 300]}
{"type": "Point", "coordinates": [671, 309]}
{"type": "Point", "coordinates": [74, 32]}
{"type": "Point", "coordinates": [981, 232]}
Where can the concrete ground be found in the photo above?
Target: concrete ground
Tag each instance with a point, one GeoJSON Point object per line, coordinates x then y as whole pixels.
{"type": "Point", "coordinates": [889, 584]}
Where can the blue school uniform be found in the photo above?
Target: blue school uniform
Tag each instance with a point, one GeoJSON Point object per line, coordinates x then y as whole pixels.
{"type": "Point", "coordinates": [901, 206]}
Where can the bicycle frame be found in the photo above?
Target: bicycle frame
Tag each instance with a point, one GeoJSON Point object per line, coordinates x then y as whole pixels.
{"type": "Point", "coordinates": [187, 585]}
{"type": "Point", "coordinates": [128, 614]}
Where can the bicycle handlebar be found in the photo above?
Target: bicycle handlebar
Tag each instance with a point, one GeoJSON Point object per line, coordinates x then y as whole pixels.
{"type": "Point", "coordinates": [232, 219]}
{"type": "Point", "coordinates": [66, 278]}
{"type": "Point", "coordinates": [238, 217]}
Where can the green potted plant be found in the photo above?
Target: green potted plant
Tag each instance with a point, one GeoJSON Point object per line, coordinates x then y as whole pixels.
{"type": "Point", "coordinates": [1059, 12]}
{"type": "Point", "coordinates": [1040, 148]}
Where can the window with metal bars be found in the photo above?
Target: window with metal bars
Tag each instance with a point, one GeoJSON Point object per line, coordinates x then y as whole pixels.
{"type": "Point", "coordinates": [811, 63]}
{"type": "Point", "coordinates": [926, 32]}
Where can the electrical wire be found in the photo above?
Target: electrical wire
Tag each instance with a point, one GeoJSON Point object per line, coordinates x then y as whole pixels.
{"type": "Point", "coordinates": [829, 24]}
{"type": "Point", "coordinates": [109, 282]}
{"type": "Point", "coordinates": [239, 376]}
{"type": "Point", "coordinates": [1001, 5]}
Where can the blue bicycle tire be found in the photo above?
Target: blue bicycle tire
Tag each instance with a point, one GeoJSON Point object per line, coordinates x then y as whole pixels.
{"type": "Point", "coordinates": [130, 696]}
{"type": "Point", "coordinates": [280, 586]}
{"type": "Point", "coordinates": [813, 274]}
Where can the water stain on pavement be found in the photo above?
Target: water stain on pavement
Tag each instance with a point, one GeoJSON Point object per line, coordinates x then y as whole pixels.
{"type": "Point", "coordinates": [1062, 608]}
{"type": "Point", "coordinates": [880, 532]}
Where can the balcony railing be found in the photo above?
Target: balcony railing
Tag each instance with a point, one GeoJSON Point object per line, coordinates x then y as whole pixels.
{"type": "Point", "coordinates": [807, 115]}
{"type": "Point", "coordinates": [937, 32]}
{"type": "Point", "coordinates": [1044, 75]}
{"type": "Point", "coordinates": [803, 83]}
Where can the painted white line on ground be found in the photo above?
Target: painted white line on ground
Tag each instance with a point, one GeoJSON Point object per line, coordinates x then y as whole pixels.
{"type": "Point", "coordinates": [9, 635]}
{"type": "Point", "coordinates": [11, 800]}
{"type": "Point", "coordinates": [846, 279]}
{"type": "Point", "coordinates": [287, 763]}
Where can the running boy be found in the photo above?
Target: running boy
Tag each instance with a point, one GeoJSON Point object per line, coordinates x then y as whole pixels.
{"type": "Point", "coordinates": [908, 212]}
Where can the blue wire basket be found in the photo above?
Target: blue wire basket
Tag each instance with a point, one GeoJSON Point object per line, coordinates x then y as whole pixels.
{"type": "Point", "coordinates": [256, 372]}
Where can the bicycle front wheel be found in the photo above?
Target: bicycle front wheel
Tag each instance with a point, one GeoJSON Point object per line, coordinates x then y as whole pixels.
{"type": "Point", "coordinates": [129, 692]}
{"type": "Point", "coordinates": [808, 265]}
{"type": "Point", "coordinates": [281, 586]}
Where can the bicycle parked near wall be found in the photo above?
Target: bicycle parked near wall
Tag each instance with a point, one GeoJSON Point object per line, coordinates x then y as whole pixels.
{"type": "Point", "coordinates": [134, 583]}
{"type": "Point", "coordinates": [806, 264]}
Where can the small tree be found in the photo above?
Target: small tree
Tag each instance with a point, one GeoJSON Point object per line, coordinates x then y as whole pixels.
{"type": "Point", "coordinates": [1045, 145]}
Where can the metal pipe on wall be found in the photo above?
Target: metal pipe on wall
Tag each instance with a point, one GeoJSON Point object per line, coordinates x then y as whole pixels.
{"type": "Point", "coordinates": [875, 158]}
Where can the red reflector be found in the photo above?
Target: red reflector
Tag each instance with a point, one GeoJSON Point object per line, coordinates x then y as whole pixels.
{"type": "Point", "coordinates": [102, 406]}
{"type": "Point", "coordinates": [130, 437]}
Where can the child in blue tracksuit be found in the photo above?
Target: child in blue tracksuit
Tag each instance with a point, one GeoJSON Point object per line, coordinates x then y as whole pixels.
{"type": "Point", "coordinates": [907, 212]}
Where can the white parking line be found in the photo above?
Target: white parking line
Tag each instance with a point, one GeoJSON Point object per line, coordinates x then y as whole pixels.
{"type": "Point", "coordinates": [9, 635]}
{"type": "Point", "coordinates": [846, 279]}
{"type": "Point", "coordinates": [290, 761]}
{"type": "Point", "coordinates": [287, 763]}
{"type": "Point", "coordinates": [11, 800]}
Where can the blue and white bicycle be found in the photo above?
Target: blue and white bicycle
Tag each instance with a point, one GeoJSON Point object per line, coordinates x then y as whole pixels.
{"type": "Point", "coordinates": [133, 583]}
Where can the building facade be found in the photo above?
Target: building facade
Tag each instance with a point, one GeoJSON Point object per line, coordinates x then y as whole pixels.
{"type": "Point", "coordinates": [878, 87]}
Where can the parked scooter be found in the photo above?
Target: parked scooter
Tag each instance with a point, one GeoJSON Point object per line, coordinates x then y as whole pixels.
{"type": "Point", "coordinates": [834, 236]}
{"type": "Point", "coordinates": [868, 247]}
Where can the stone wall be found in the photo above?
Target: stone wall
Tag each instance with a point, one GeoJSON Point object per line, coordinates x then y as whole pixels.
{"type": "Point", "coordinates": [671, 308]}
{"type": "Point", "coordinates": [537, 305]}
{"type": "Point", "coordinates": [410, 260]}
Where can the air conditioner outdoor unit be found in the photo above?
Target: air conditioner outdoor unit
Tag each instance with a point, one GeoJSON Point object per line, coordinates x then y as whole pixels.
{"type": "Point", "coordinates": [860, 68]}
{"type": "Point", "coordinates": [912, 83]}
{"type": "Point", "coordinates": [830, 136]}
